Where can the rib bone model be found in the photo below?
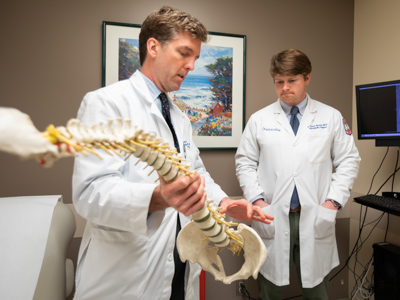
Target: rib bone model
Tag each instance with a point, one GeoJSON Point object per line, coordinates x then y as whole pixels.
{"type": "Point", "coordinates": [200, 240]}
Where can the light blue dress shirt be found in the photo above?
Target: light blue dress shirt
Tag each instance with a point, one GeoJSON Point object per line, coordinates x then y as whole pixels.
{"type": "Point", "coordinates": [153, 89]}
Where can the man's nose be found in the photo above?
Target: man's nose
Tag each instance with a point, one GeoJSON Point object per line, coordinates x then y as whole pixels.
{"type": "Point", "coordinates": [190, 64]}
{"type": "Point", "coordinates": [286, 86]}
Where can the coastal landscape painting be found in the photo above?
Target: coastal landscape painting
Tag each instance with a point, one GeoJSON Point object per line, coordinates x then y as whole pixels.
{"type": "Point", "coordinates": [212, 96]}
{"type": "Point", "coordinates": [206, 94]}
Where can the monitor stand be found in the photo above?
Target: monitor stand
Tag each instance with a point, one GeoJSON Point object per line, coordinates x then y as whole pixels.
{"type": "Point", "coordinates": [387, 143]}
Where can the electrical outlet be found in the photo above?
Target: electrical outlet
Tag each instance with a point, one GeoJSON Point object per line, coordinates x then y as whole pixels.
{"type": "Point", "coordinates": [240, 285]}
{"type": "Point", "coordinates": [394, 195]}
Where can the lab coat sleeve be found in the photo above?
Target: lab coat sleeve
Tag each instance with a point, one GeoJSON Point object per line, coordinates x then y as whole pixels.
{"type": "Point", "coordinates": [346, 161]}
{"type": "Point", "coordinates": [247, 159]}
{"type": "Point", "coordinates": [101, 192]}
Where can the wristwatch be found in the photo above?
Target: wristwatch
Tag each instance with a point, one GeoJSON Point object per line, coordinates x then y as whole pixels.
{"type": "Point", "coordinates": [335, 203]}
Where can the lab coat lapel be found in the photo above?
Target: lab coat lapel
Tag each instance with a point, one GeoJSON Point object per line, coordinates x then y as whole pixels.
{"type": "Point", "coordinates": [141, 88]}
{"type": "Point", "coordinates": [281, 118]}
{"type": "Point", "coordinates": [308, 117]}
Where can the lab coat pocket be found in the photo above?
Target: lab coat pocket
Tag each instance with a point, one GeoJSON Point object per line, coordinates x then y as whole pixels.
{"type": "Point", "coordinates": [265, 231]}
{"type": "Point", "coordinates": [324, 225]}
{"type": "Point", "coordinates": [112, 254]}
{"type": "Point", "coordinates": [319, 145]}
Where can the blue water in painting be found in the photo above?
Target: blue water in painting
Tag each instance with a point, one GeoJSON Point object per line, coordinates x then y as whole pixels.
{"type": "Point", "coordinates": [195, 91]}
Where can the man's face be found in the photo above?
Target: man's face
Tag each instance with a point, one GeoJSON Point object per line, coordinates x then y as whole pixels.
{"type": "Point", "coordinates": [173, 62]}
{"type": "Point", "coordinates": [291, 89]}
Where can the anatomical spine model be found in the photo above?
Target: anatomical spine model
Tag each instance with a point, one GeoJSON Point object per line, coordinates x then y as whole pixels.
{"type": "Point", "coordinates": [121, 139]}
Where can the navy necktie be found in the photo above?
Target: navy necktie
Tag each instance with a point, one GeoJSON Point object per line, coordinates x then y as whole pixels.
{"type": "Point", "coordinates": [178, 281]}
{"type": "Point", "coordinates": [167, 116]}
{"type": "Point", "coordinates": [294, 122]}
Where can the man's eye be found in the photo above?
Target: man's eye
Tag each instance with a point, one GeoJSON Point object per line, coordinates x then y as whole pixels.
{"type": "Point", "coordinates": [184, 54]}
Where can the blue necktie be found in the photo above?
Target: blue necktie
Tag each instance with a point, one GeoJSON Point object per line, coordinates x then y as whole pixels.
{"type": "Point", "coordinates": [178, 281]}
{"type": "Point", "coordinates": [294, 122]}
{"type": "Point", "coordinates": [167, 116]}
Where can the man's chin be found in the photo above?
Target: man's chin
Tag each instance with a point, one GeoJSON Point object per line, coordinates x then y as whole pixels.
{"type": "Point", "coordinates": [285, 98]}
{"type": "Point", "coordinates": [175, 88]}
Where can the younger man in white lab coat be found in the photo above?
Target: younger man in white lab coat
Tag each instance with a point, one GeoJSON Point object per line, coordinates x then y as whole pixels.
{"type": "Point", "coordinates": [284, 165]}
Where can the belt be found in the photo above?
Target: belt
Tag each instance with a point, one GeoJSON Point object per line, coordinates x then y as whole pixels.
{"type": "Point", "coordinates": [298, 208]}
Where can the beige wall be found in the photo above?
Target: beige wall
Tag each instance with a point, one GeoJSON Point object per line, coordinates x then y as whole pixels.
{"type": "Point", "coordinates": [376, 59]}
{"type": "Point", "coordinates": [51, 56]}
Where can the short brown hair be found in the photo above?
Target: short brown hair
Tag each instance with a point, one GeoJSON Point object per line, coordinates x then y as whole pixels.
{"type": "Point", "coordinates": [290, 62]}
{"type": "Point", "coordinates": [165, 24]}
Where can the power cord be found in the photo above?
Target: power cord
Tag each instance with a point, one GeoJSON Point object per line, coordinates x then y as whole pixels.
{"type": "Point", "coordinates": [244, 292]}
{"type": "Point", "coordinates": [366, 293]}
{"type": "Point", "coordinates": [362, 285]}
{"type": "Point", "coordinates": [357, 247]}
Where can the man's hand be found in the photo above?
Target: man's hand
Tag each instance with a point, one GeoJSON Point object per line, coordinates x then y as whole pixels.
{"type": "Point", "coordinates": [243, 210]}
{"type": "Point", "coordinates": [185, 194]}
{"type": "Point", "coordinates": [329, 204]}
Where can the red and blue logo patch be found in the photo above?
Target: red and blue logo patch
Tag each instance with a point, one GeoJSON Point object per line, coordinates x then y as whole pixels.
{"type": "Point", "coordinates": [346, 127]}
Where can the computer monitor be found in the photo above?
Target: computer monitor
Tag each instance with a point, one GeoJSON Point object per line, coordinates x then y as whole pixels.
{"type": "Point", "coordinates": [378, 112]}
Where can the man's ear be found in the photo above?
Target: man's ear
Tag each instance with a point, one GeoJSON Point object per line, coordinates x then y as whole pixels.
{"type": "Point", "coordinates": [307, 79]}
{"type": "Point", "coordinates": [152, 47]}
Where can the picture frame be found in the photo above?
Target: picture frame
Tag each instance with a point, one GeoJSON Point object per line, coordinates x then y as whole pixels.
{"type": "Point", "coordinates": [212, 95]}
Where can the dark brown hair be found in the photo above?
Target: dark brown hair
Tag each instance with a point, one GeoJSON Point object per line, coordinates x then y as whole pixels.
{"type": "Point", "coordinates": [165, 24]}
{"type": "Point", "coordinates": [290, 62]}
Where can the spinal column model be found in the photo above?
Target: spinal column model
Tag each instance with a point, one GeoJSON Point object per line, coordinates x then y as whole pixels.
{"type": "Point", "coordinates": [19, 136]}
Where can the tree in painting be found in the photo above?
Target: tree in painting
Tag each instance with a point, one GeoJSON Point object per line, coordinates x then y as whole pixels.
{"type": "Point", "coordinates": [221, 84]}
{"type": "Point", "coordinates": [206, 94]}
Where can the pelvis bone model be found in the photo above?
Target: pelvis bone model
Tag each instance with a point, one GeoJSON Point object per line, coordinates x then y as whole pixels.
{"type": "Point", "coordinates": [121, 139]}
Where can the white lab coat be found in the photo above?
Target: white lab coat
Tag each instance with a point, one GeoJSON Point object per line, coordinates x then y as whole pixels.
{"type": "Point", "coordinates": [127, 253]}
{"type": "Point", "coordinates": [270, 160]}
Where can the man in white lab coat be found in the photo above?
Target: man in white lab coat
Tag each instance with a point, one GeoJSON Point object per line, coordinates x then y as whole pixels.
{"type": "Point", "coordinates": [284, 165]}
{"type": "Point", "coordinates": [127, 250]}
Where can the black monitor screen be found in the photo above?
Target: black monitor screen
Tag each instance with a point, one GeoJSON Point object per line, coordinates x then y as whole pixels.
{"type": "Point", "coordinates": [378, 111]}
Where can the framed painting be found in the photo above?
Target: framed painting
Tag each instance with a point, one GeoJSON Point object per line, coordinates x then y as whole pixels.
{"type": "Point", "coordinates": [212, 95]}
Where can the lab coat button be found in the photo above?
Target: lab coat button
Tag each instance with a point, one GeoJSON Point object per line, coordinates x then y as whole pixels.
{"type": "Point", "coordinates": [287, 205]}
{"type": "Point", "coordinates": [286, 233]}
{"type": "Point", "coordinates": [294, 174]}
{"type": "Point", "coordinates": [170, 257]}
